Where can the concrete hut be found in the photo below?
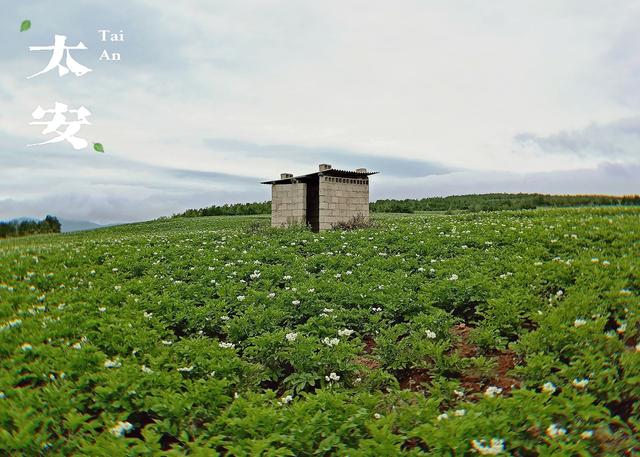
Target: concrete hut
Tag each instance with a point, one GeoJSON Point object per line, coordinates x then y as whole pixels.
{"type": "Point", "coordinates": [319, 199]}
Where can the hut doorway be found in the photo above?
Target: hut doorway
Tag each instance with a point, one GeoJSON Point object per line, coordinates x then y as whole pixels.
{"type": "Point", "coordinates": [313, 204]}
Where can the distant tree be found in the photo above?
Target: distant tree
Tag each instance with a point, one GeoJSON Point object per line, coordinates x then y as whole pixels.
{"type": "Point", "coordinates": [49, 224]}
{"type": "Point", "coordinates": [236, 209]}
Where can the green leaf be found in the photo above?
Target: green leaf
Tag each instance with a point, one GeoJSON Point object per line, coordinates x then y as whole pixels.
{"type": "Point", "coordinates": [98, 147]}
{"type": "Point", "coordinates": [26, 25]}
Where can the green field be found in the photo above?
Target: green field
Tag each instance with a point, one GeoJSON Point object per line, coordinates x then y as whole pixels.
{"type": "Point", "coordinates": [512, 333]}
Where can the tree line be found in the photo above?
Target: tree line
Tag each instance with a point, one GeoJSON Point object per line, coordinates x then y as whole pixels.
{"type": "Point", "coordinates": [495, 202]}
{"type": "Point", "coordinates": [22, 227]}
{"type": "Point", "coordinates": [474, 202]}
{"type": "Point", "coordinates": [235, 209]}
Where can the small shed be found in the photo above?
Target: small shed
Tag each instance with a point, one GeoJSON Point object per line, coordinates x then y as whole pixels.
{"type": "Point", "coordinates": [320, 199]}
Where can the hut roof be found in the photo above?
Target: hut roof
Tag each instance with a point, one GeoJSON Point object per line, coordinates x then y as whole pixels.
{"type": "Point", "coordinates": [330, 172]}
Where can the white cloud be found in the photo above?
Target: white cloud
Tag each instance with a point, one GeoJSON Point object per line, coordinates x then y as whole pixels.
{"type": "Point", "coordinates": [614, 140]}
{"type": "Point", "coordinates": [445, 83]}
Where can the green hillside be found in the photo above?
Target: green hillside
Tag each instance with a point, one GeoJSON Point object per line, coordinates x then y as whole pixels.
{"type": "Point", "coordinates": [512, 332]}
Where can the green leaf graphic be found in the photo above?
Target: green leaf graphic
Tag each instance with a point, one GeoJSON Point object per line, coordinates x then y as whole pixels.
{"type": "Point", "coordinates": [98, 147]}
{"type": "Point", "coordinates": [26, 25]}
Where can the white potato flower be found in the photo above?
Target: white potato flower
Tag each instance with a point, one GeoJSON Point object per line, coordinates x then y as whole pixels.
{"type": "Point", "coordinates": [330, 341]}
{"type": "Point", "coordinates": [121, 428]}
{"type": "Point", "coordinates": [580, 383]}
{"type": "Point", "coordinates": [492, 391]}
{"type": "Point", "coordinates": [112, 364]}
{"type": "Point", "coordinates": [554, 430]}
{"type": "Point", "coordinates": [332, 377]}
{"type": "Point", "coordinates": [494, 447]}
{"type": "Point", "coordinates": [549, 387]}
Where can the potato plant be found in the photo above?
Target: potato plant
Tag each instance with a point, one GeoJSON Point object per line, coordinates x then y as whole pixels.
{"type": "Point", "coordinates": [512, 333]}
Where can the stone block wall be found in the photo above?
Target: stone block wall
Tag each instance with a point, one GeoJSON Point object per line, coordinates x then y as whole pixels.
{"type": "Point", "coordinates": [288, 204]}
{"type": "Point", "coordinates": [341, 199]}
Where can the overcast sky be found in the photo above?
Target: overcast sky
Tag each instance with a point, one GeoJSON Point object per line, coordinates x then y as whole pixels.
{"type": "Point", "coordinates": [210, 97]}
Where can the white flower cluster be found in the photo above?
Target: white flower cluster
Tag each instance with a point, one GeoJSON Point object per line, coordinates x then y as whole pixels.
{"type": "Point", "coordinates": [112, 364]}
{"type": "Point", "coordinates": [121, 428]}
{"type": "Point", "coordinates": [291, 337]}
{"type": "Point", "coordinates": [10, 324]}
{"type": "Point", "coordinates": [330, 341]}
{"type": "Point", "coordinates": [492, 391]}
{"type": "Point", "coordinates": [494, 447]}
{"type": "Point", "coordinates": [186, 369]}
{"type": "Point", "coordinates": [345, 332]}
{"type": "Point", "coordinates": [430, 334]}
{"type": "Point", "coordinates": [332, 377]}
{"type": "Point", "coordinates": [580, 383]}
{"type": "Point", "coordinates": [225, 345]}
{"type": "Point", "coordinates": [255, 275]}
{"type": "Point", "coordinates": [579, 322]}
{"type": "Point", "coordinates": [554, 430]}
